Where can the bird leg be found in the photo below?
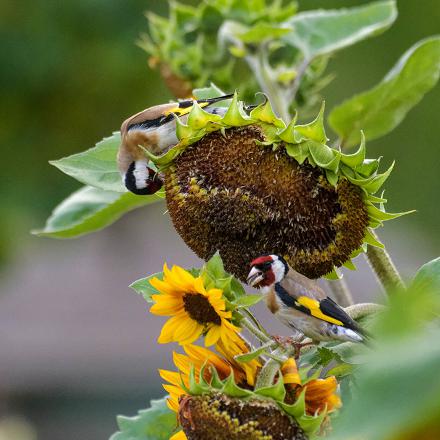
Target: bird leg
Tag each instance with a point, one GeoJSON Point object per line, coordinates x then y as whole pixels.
{"type": "Point", "coordinates": [288, 342]}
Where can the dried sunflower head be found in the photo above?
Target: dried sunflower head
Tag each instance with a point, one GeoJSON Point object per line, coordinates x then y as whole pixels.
{"type": "Point", "coordinates": [246, 184]}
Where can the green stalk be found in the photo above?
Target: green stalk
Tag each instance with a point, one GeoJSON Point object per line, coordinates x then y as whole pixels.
{"type": "Point", "coordinates": [341, 292]}
{"type": "Point", "coordinates": [267, 374]}
{"type": "Point", "coordinates": [384, 268]}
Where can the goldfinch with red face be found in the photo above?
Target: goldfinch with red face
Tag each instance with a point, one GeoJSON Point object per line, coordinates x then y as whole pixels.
{"type": "Point", "coordinates": [155, 130]}
{"type": "Point", "coordinates": [299, 302]}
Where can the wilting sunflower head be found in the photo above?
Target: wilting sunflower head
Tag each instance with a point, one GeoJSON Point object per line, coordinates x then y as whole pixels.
{"type": "Point", "coordinates": [247, 184]}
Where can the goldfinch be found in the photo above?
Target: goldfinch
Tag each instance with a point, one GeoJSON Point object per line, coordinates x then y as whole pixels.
{"type": "Point", "coordinates": [299, 302]}
{"type": "Point", "coordinates": [155, 130]}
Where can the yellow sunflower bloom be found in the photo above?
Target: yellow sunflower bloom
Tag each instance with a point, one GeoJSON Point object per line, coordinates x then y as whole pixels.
{"type": "Point", "coordinates": [319, 394]}
{"type": "Point", "coordinates": [193, 309]}
{"type": "Point", "coordinates": [197, 357]}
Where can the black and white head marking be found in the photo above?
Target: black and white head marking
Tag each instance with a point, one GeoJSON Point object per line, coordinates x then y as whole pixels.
{"type": "Point", "coordinates": [279, 268]}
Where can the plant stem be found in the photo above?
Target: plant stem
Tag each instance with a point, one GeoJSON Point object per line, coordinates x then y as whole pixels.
{"type": "Point", "coordinates": [245, 322]}
{"type": "Point", "coordinates": [263, 74]}
{"type": "Point", "coordinates": [384, 268]}
{"type": "Point", "coordinates": [341, 292]}
{"type": "Point", "coordinates": [291, 94]}
{"type": "Point", "coordinates": [267, 374]}
{"type": "Point", "coordinates": [357, 311]}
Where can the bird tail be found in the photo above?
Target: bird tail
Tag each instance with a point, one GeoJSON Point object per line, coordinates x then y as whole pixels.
{"type": "Point", "coordinates": [346, 334]}
{"type": "Point", "coordinates": [216, 99]}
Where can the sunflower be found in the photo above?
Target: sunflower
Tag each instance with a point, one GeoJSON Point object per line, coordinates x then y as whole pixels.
{"type": "Point", "coordinates": [197, 357]}
{"type": "Point", "coordinates": [194, 310]}
{"type": "Point", "coordinates": [236, 347]}
{"type": "Point", "coordinates": [319, 393]}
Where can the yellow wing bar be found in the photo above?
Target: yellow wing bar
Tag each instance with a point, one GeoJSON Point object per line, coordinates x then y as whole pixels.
{"type": "Point", "coordinates": [315, 310]}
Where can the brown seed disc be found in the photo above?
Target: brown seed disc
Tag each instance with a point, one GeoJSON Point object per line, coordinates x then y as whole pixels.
{"type": "Point", "coordinates": [224, 418]}
{"type": "Point", "coordinates": [230, 194]}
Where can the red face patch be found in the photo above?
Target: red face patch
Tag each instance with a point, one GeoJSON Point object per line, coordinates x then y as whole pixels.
{"type": "Point", "coordinates": [262, 260]}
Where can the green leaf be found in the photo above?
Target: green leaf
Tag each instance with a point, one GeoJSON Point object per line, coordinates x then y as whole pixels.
{"type": "Point", "coordinates": [247, 300]}
{"type": "Point", "coordinates": [428, 276]}
{"type": "Point", "coordinates": [144, 288]}
{"type": "Point", "coordinates": [248, 357]}
{"type": "Point", "coordinates": [381, 109]}
{"type": "Point", "coordinates": [325, 31]}
{"type": "Point", "coordinates": [263, 31]}
{"type": "Point", "coordinates": [95, 167]}
{"type": "Point", "coordinates": [155, 423]}
{"type": "Point", "coordinates": [215, 266]}
{"type": "Point", "coordinates": [397, 388]}
{"type": "Point", "coordinates": [211, 92]}
{"type": "Point", "coordinates": [89, 210]}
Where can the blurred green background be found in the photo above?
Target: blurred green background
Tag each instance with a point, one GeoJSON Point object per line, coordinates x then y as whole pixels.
{"type": "Point", "coordinates": [71, 72]}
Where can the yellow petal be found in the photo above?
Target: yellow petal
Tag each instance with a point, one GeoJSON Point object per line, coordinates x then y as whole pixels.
{"type": "Point", "coordinates": [170, 376]}
{"type": "Point", "coordinates": [184, 276]}
{"type": "Point", "coordinates": [188, 331]}
{"type": "Point", "coordinates": [167, 309]}
{"type": "Point", "coordinates": [199, 286]}
{"type": "Point", "coordinates": [169, 328]}
{"type": "Point", "coordinates": [164, 287]}
{"type": "Point", "coordinates": [179, 436]}
{"type": "Point", "coordinates": [213, 335]}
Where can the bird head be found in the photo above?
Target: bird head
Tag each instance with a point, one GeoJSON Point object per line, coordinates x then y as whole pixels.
{"type": "Point", "coordinates": [267, 270]}
{"type": "Point", "coordinates": [141, 179]}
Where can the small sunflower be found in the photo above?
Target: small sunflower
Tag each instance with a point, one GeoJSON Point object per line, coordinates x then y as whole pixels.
{"type": "Point", "coordinates": [319, 393]}
{"type": "Point", "coordinates": [194, 310]}
{"type": "Point", "coordinates": [197, 357]}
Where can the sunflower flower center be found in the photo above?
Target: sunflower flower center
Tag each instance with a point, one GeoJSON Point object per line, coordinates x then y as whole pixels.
{"type": "Point", "coordinates": [200, 309]}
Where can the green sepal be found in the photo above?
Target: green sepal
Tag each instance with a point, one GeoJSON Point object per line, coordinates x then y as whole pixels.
{"type": "Point", "coordinates": [314, 130]}
{"type": "Point", "coordinates": [276, 392]}
{"type": "Point", "coordinates": [311, 424]}
{"type": "Point", "coordinates": [230, 388]}
{"type": "Point", "coordinates": [196, 388]}
{"type": "Point", "coordinates": [374, 185]}
{"type": "Point", "coordinates": [199, 118]}
{"type": "Point", "coordinates": [324, 156]}
{"type": "Point", "coordinates": [235, 116]}
{"type": "Point", "coordinates": [371, 240]}
{"type": "Point", "coordinates": [355, 159]}
{"type": "Point", "coordinates": [368, 167]}
{"type": "Point", "coordinates": [264, 113]}
{"type": "Point", "coordinates": [381, 216]}
{"type": "Point", "coordinates": [216, 382]}
{"type": "Point", "coordinates": [300, 152]}
{"type": "Point", "coordinates": [297, 409]}
{"type": "Point", "coordinates": [350, 265]}
{"type": "Point", "coordinates": [331, 177]}
{"type": "Point", "coordinates": [288, 134]}
{"type": "Point", "coordinates": [334, 274]}
{"type": "Point", "coordinates": [165, 159]}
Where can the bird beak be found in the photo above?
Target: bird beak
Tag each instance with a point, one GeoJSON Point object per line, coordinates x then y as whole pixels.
{"type": "Point", "coordinates": [255, 276]}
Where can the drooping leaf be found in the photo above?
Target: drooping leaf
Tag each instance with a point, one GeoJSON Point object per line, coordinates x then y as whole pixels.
{"type": "Point", "coordinates": [428, 276]}
{"type": "Point", "coordinates": [95, 167]}
{"type": "Point", "coordinates": [155, 423]}
{"type": "Point", "coordinates": [381, 109]}
{"type": "Point", "coordinates": [90, 209]}
{"type": "Point", "coordinates": [325, 31]}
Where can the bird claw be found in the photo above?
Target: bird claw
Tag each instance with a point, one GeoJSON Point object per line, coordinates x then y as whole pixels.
{"type": "Point", "coordinates": [287, 342]}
